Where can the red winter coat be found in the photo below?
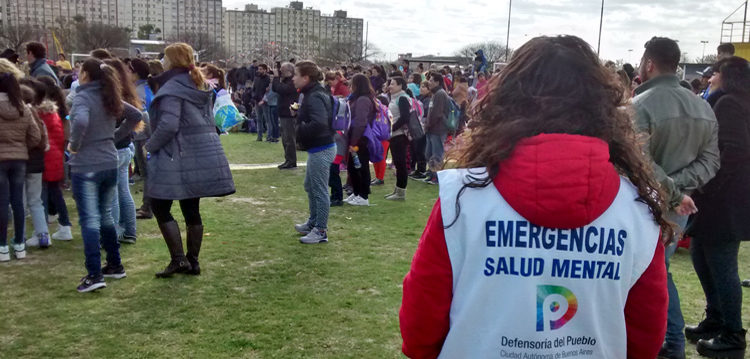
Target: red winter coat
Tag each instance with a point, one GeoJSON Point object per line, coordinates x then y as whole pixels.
{"type": "Point", "coordinates": [570, 194]}
{"type": "Point", "coordinates": [54, 158]}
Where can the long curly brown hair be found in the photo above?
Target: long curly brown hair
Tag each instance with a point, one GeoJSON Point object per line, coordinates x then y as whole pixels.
{"type": "Point", "coordinates": [556, 85]}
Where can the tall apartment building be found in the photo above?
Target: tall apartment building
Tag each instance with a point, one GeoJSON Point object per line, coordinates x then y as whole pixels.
{"type": "Point", "coordinates": [173, 17]}
{"type": "Point", "coordinates": [292, 29]}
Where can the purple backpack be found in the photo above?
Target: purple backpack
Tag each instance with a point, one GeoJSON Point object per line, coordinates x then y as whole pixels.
{"type": "Point", "coordinates": [378, 130]}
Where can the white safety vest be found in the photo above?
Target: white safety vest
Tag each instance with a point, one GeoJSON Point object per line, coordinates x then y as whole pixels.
{"type": "Point", "coordinates": [525, 291]}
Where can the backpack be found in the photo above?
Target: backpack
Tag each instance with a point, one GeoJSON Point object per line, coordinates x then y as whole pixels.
{"type": "Point", "coordinates": [452, 115]}
{"type": "Point", "coordinates": [381, 125]}
{"type": "Point", "coordinates": [415, 120]}
{"type": "Point", "coordinates": [378, 130]}
{"type": "Point", "coordinates": [342, 114]}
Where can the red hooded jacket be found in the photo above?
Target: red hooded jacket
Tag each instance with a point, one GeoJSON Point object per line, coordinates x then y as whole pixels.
{"type": "Point", "coordinates": [556, 181]}
{"type": "Point", "coordinates": [54, 158]}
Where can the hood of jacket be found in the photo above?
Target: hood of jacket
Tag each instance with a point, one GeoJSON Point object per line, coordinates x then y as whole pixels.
{"type": "Point", "coordinates": [47, 106]}
{"type": "Point", "coordinates": [8, 112]}
{"type": "Point", "coordinates": [559, 180]}
{"type": "Point", "coordinates": [181, 85]}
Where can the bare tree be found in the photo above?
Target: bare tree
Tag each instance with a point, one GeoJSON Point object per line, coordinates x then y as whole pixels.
{"type": "Point", "coordinates": [206, 46]}
{"type": "Point", "coordinates": [14, 36]}
{"type": "Point", "coordinates": [145, 31]}
{"type": "Point", "coordinates": [494, 51]}
{"type": "Point", "coordinates": [66, 34]}
{"type": "Point", "coordinates": [707, 59]}
{"type": "Point", "coordinates": [333, 53]}
{"type": "Point", "coordinates": [96, 35]}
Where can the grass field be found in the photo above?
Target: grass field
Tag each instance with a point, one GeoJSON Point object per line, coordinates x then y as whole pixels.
{"type": "Point", "coordinates": [261, 294]}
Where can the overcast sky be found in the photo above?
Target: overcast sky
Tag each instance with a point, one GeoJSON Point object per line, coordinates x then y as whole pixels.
{"type": "Point", "coordinates": [443, 26]}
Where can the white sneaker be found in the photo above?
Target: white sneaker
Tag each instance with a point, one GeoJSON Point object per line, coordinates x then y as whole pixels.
{"type": "Point", "coordinates": [314, 237]}
{"type": "Point", "coordinates": [63, 234]}
{"type": "Point", "coordinates": [33, 241]}
{"type": "Point", "coordinates": [52, 218]}
{"type": "Point", "coordinates": [348, 199]}
{"type": "Point", "coordinates": [359, 201]}
{"type": "Point", "coordinates": [19, 250]}
{"type": "Point", "coordinates": [4, 253]}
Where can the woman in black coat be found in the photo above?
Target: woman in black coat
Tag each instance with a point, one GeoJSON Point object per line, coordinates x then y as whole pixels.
{"type": "Point", "coordinates": [723, 220]}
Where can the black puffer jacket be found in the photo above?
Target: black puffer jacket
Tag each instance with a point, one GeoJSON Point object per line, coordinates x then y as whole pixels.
{"type": "Point", "coordinates": [314, 118]}
{"type": "Point", "coordinates": [287, 94]}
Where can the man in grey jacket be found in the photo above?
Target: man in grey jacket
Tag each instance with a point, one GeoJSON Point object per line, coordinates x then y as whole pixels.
{"type": "Point", "coordinates": [682, 142]}
{"type": "Point", "coordinates": [435, 129]}
{"type": "Point", "coordinates": [36, 54]}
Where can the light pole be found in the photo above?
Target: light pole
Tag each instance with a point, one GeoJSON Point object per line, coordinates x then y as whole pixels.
{"type": "Point", "coordinates": [507, 36]}
{"type": "Point", "coordinates": [601, 22]}
{"type": "Point", "coordinates": [703, 56]}
{"type": "Point", "coordinates": [630, 55]}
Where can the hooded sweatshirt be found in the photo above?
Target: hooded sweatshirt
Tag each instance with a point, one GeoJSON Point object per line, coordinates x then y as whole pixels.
{"type": "Point", "coordinates": [517, 271]}
{"type": "Point", "coordinates": [92, 134]}
{"type": "Point", "coordinates": [20, 132]}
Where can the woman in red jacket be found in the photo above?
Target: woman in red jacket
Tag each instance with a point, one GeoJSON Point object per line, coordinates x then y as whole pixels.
{"type": "Point", "coordinates": [50, 111]}
{"type": "Point", "coordinates": [547, 243]}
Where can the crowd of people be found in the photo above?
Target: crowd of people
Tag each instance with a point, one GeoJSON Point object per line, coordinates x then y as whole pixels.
{"type": "Point", "coordinates": [561, 165]}
{"type": "Point", "coordinates": [85, 131]}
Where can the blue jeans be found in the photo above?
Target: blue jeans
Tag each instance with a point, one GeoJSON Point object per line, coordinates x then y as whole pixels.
{"type": "Point", "coordinates": [262, 114]}
{"type": "Point", "coordinates": [273, 118]}
{"type": "Point", "coordinates": [35, 203]}
{"type": "Point", "coordinates": [675, 322]}
{"type": "Point", "coordinates": [94, 193]}
{"type": "Point", "coordinates": [123, 207]}
{"type": "Point", "coordinates": [434, 150]}
{"type": "Point", "coordinates": [12, 177]}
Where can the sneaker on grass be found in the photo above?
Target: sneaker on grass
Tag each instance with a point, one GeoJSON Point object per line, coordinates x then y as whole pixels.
{"type": "Point", "coordinates": [314, 237]}
{"type": "Point", "coordinates": [304, 228]}
{"type": "Point", "coordinates": [123, 238]}
{"type": "Point", "coordinates": [4, 253]}
{"type": "Point", "coordinates": [64, 233]}
{"type": "Point", "coordinates": [116, 272]}
{"type": "Point", "coordinates": [90, 284]}
{"type": "Point", "coordinates": [19, 250]}
{"type": "Point", "coordinates": [350, 198]}
{"type": "Point", "coordinates": [359, 201]}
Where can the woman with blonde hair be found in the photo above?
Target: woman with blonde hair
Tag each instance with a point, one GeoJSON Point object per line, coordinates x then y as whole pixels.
{"type": "Point", "coordinates": [187, 161]}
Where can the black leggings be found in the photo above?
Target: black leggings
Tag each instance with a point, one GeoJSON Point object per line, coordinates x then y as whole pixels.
{"type": "Point", "coordinates": [360, 177]}
{"type": "Point", "coordinates": [715, 263]}
{"type": "Point", "coordinates": [399, 145]}
{"type": "Point", "coordinates": [190, 210]}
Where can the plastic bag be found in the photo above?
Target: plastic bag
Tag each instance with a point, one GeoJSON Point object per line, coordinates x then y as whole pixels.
{"type": "Point", "coordinates": [226, 114]}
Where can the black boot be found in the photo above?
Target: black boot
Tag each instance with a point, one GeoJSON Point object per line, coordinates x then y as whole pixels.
{"type": "Point", "coordinates": [179, 264]}
{"type": "Point", "coordinates": [707, 329]}
{"type": "Point", "coordinates": [730, 345]}
{"type": "Point", "coordinates": [194, 239]}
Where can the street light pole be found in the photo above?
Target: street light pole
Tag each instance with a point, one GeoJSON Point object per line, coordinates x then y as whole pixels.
{"type": "Point", "coordinates": [601, 22]}
{"type": "Point", "coordinates": [507, 36]}
{"type": "Point", "coordinates": [703, 56]}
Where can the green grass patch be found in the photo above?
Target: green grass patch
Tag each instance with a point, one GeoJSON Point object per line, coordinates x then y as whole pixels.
{"type": "Point", "coordinates": [262, 294]}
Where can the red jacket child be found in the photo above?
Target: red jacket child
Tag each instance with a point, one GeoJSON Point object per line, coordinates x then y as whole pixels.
{"type": "Point", "coordinates": [54, 158]}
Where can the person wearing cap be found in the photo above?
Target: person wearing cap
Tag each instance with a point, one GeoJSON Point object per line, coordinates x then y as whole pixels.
{"type": "Point", "coordinates": [36, 54]}
{"type": "Point", "coordinates": [705, 79]}
{"type": "Point", "coordinates": [9, 54]}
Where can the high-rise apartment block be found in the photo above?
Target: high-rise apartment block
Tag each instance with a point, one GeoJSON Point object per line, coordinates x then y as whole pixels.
{"type": "Point", "coordinates": [243, 32]}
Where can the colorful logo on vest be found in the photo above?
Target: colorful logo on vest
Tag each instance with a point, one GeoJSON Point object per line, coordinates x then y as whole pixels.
{"type": "Point", "coordinates": [557, 304]}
